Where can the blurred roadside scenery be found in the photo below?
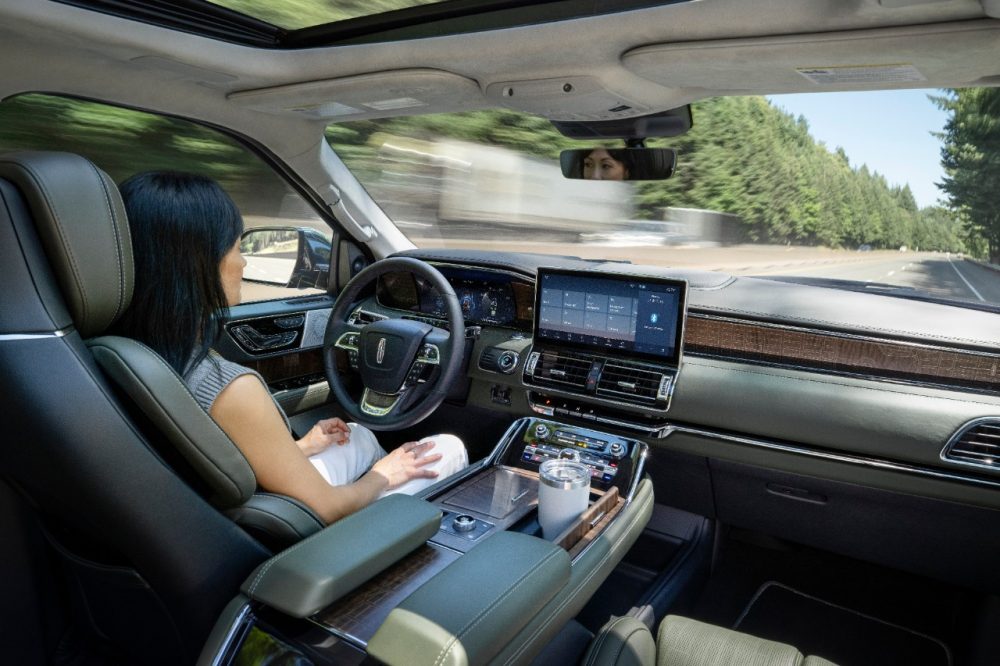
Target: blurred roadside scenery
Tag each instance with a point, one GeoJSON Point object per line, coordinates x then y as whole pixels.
{"type": "Point", "coordinates": [750, 178]}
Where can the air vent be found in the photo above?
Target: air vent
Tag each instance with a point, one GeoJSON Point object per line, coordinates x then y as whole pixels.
{"type": "Point", "coordinates": [977, 443]}
{"type": "Point", "coordinates": [562, 370]}
{"type": "Point", "coordinates": [621, 379]}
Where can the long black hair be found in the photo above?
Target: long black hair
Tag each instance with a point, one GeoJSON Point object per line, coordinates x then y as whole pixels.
{"type": "Point", "coordinates": [182, 226]}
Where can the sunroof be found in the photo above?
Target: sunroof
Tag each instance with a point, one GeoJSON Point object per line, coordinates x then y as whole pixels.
{"type": "Point", "coordinates": [295, 14]}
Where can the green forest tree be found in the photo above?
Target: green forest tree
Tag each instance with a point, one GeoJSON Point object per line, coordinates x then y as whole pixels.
{"type": "Point", "coordinates": [971, 158]}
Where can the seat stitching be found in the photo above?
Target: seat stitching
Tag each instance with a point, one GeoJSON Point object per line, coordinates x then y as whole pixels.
{"type": "Point", "coordinates": [118, 251]}
{"type": "Point", "coordinates": [274, 560]}
{"type": "Point", "coordinates": [286, 500]}
{"type": "Point", "coordinates": [173, 375]}
{"type": "Point", "coordinates": [40, 183]}
{"type": "Point", "coordinates": [262, 512]}
{"type": "Point", "coordinates": [624, 643]}
{"type": "Point", "coordinates": [448, 647]}
{"type": "Point", "coordinates": [570, 597]}
{"type": "Point", "coordinates": [168, 415]}
{"type": "Point", "coordinates": [601, 640]}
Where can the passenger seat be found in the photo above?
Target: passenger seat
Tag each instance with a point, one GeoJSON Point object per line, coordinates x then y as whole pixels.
{"type": "Point", "coordinates": [681, 641]}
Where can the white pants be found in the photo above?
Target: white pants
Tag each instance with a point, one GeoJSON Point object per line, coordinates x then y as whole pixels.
{"type": "Point", "coordinates": [341, 464]}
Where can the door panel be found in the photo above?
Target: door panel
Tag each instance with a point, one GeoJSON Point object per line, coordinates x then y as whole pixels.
{"type": "Point", "coordinates": [283, 341]}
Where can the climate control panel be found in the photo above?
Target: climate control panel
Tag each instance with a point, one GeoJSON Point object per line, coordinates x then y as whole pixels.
{"type": "Point", "coordinates": [609, 457]}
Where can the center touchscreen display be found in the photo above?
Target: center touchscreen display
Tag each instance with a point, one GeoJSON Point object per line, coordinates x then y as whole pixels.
{"type": "Point", "coordinates": [643, 316]}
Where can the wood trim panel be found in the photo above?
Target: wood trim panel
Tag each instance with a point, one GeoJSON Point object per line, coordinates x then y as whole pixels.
{"type": "Point", "coordinates": [289, 366]}
{"type": "Point", "coordinates": [751, 341]}
{"type": "Point", "coordinates": [362, 612]}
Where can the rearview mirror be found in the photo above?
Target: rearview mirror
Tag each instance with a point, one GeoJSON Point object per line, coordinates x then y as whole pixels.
{"type": "Point", "coordinates": [602, 163]}
{"type": "Point", "coordinates": [293, 257]}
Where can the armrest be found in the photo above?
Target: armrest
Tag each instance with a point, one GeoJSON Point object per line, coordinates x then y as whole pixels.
{"type": "Point", "coordinates": [469, 611]}
{"type": "Point", "coordinates": [319, 570]}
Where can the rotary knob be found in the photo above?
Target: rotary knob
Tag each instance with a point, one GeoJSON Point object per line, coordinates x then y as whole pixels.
{"type": "Point", "coordinates": [507, 361]}
{"type": "Point", "coordinates": [617, 449]}
{"type": "Point", "coordinates": [464, 523]}
{"type": "Point", "coordinates": [541, 431]}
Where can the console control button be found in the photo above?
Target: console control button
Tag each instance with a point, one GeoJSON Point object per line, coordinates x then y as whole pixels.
{"type": "Point", "coordinates": [541, 431]}
{"type": "Point", "coordinates": [617, 449]}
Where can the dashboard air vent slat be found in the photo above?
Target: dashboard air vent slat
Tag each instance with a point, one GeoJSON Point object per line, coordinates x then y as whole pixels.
{"type": "Point", "coordinates": [563, 369]}
{"type": "Point", "coordinates": [978, 443]}
{"type": "Point", "coordinates": [622, 379]}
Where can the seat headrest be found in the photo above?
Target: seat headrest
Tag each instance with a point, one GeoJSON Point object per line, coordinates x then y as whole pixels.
{"type": "Point", "coordinates": [81, 222]}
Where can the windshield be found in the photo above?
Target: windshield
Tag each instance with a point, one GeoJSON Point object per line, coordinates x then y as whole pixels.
{"type": "Point", "coordinates": [864, 190]}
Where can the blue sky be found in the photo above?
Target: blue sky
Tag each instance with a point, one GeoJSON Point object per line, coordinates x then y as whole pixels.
{"type": "Point", "coordinates": [887, 130]}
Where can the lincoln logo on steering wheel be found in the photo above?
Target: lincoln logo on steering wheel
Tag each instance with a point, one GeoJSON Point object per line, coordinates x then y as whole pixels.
{"type": "Point", "coordinates": [380, 351]}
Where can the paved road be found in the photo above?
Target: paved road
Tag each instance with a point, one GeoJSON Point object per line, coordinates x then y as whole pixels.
{"type": "Point", "coordinates": [938, 274]}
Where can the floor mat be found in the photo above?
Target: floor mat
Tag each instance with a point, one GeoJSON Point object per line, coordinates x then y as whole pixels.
{"type": "Point", "coordinates": [842, 635]}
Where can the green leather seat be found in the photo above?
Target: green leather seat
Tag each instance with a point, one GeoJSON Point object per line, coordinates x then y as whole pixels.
{"type": "Point", "coordinates": [681, 641]}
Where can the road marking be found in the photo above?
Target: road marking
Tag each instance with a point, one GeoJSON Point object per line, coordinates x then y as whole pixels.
{"type": "Point", "coordinates": [978, 295]}
{"type": "Point", "coordinates": [890, 273]}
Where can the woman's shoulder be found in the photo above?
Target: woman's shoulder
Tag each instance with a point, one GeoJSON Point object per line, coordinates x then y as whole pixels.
{"type": "Point", "coordinates": [212, 374]}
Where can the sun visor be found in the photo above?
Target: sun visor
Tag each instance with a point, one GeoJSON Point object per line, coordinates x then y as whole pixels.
{"type": "Point", "coordinates": [911, 57]}
{"type": "Point", "coordinates": [375, 95]}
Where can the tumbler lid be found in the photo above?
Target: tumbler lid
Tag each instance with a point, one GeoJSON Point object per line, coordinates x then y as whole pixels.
{"type": "Point", "coordinates": [564, 474]}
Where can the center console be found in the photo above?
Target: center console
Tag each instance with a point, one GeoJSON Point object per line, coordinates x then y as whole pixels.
{"type": "Point", "coordinates": [505, 495]}
{"type": "Point", "coordinates": [351, 591]}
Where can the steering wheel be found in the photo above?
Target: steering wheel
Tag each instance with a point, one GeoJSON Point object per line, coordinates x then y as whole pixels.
{"type": "Point", "coordinates": [406, 366]}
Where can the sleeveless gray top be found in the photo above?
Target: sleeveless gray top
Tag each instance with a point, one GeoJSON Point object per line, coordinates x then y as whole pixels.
{"type": "Point", "coordinates": [207, 379]}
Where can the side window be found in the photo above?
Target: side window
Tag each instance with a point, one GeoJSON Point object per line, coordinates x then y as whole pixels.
{"type": "Point", "coordinates": [286, 243]}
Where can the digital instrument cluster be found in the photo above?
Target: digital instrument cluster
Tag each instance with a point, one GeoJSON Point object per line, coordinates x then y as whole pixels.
{"type": "Point", "coordinates": [486, 297]}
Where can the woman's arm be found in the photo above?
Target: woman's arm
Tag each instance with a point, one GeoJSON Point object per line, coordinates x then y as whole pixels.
{"type": "Point", "coordinates": [246, 412]}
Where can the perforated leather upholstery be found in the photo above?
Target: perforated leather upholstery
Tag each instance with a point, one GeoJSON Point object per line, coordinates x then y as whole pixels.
{"type": "Point", "coordinates": [681, 641]}
{"type": "Point", "coordinates": [80, 221]}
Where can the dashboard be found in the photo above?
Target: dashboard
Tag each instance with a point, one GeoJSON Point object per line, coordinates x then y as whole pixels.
{"type": "Point", "coordinates": [488, 298]}
{"type": "Point", "coordinates": [775, 366]}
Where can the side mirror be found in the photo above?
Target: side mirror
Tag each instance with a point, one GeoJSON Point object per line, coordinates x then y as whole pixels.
{"type": "Point", "coordinates": [602, 163]}
{"type": "Point", "coordinates": [293, 257]}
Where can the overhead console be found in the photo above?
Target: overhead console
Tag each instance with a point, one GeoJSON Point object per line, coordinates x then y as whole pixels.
{"type": "Point", "coordinates": [607, 347]}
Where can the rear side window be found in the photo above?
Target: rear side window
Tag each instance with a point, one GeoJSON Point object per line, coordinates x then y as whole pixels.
{"type": "Point", "coordinates": [124, 142]}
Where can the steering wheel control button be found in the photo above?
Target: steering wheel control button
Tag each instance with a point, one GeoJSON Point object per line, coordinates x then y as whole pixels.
{"type": "Point", "coordinates": [429, 354]}
{"type": "Point", "coordinates": [464, 523]}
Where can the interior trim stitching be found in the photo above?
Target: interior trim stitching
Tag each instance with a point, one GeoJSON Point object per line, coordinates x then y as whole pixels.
{"type": "Point", "coordinates": [624, 643]}
{"type": "Point", "coordinates": [118, 249]}
{"type": "Point", "coordinates": [605, 635]}
{"type": "Point", "coordinates": [306, 511]}
{"type": "Point", "coordinates": [647, 501]}
{"type": "Point", "coordinates": [493, 605]}
{"type": "Point", "coordinates": [47, 200]}
{"type": "Point", "coordinates": [180, 384]}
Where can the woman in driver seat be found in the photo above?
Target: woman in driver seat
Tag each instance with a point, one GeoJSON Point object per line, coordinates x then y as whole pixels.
{"type": "Point", "coordinates": [185, 239]}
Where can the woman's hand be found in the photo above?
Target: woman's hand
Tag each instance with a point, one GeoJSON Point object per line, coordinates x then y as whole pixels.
{"type": "Point", "coordinates": [407, 462]}
{"type": "Point", "coordinates": [324, 434]}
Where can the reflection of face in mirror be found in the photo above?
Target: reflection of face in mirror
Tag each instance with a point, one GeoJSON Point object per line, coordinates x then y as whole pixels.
{"type": "Point", "coordinates": [600, 165]}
